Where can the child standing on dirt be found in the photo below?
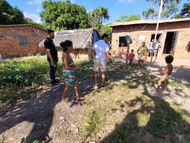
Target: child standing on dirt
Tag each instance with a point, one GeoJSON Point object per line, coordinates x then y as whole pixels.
{"type": "Point", "coordinates": [69, 70]}
{"type": "Point", "coordinates": [167, 70]}
{"type": "Point", "coordinates": [142, 51]}
{"type": "Point", "coordinates": [131, 57]}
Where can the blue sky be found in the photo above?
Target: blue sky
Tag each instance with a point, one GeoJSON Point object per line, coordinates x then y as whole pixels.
{"type": "Point", "coordinates": [116, 8]}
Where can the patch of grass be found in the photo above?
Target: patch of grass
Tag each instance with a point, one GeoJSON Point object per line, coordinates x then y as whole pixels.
{"type": "Point", "coordinates": [174, 84]}
{"type": "Point", "coordinates": [92, 124]}
{"type": "Point", "coordinates": [25, 140]}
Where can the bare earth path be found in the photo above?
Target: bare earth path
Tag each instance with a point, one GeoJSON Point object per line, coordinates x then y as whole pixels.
{"type": "Point", "coordinates": [48, 118]}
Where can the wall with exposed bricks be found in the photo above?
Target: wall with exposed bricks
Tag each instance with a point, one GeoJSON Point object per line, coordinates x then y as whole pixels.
{"type": "Point", "coordinates": [11, 40]}
{"type": "Point", "coordinates": [146, 30]}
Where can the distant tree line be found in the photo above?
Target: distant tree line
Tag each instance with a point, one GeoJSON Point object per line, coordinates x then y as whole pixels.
{"type": "Point", "coordinates": [60, 15]}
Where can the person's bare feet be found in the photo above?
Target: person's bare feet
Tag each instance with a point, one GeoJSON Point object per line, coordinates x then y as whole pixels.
{"type": "Point", "coordinates": [63, 98]}
{"type": "Point", "coordinates": [158, 88]}
{"type": "Point", "coordinates": [79, 98]}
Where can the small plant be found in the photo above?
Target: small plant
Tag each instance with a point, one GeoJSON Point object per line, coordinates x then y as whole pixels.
{"type": "Point", "coordinates": [2, 139]}
{"type": "Point", "coordinates": [92, 125]}
{"type": "Point", "coordinates": [25, 140]}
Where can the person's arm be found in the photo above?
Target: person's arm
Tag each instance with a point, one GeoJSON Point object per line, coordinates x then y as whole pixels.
{"type": "Point", "coordinates": [166, 70]}
{"type": "Point", "coordinates": [107, 51]}
{"type": "Point", "coordinates": [67, 66]}
{"type": "Point", "coordinates": [93, 51]}
{"type": "Point", "coordinates": [138, 50]}
{"type": "Point", "coordinates": [47, 47]}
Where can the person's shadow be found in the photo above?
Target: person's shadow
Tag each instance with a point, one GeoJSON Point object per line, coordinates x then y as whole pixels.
{"type": "Point", "coordinates": [164, 123]}
{"type": "Point", "coordinates": [38, 111]}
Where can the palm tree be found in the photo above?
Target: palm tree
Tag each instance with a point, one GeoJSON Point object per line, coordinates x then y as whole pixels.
{"type": "Point", "coordinates": [149, 13]}
{"type": "Point", "coordinates": [169, 8]}
{"type": "Point", "coordinates": [98, 16]}
{"type": "Point", "coordinates": [185, 12]}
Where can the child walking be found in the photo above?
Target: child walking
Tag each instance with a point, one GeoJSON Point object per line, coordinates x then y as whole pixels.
{"type": "Point", "coordinates": [69, 69]}
{"type": "Point", "coordinates": [167, 70]}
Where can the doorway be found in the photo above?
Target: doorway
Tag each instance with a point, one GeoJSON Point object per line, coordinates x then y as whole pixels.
{"type": "Point", "coordinates": [169, 42]}
{"type": "Point", "coordinates": [153, 36]}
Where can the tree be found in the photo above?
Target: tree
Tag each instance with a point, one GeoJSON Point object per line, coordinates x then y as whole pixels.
{"type": "Point", "coordinates": [64, 15]}
{"type": "Point", "coordinates": [128, 18]}
{"type": "Point", "coordinates": [185, 12]}
{"type": "Point", "coordinates": [170, 9]}
{"type": "Point", "coordinates": [149, 13]}
{"type": "Point", "coordinates": [97, 16]}
{"type": "Point", "coordinates": [9, 14]}
{"type": "Point", "coordinates": [105, 29]}
{"type": "Point", "coordinates": [30, 21]}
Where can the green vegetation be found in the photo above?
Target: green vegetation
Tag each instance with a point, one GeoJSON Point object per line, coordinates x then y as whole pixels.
{"type": "Point", "coordinates": [128, 18]}
{"type": "Point", "coordinates": [21, 79]}
{"type": "Point", "coordinates": [170, 9]}
{"type": "Point", "coordinates": [123, 111]}
{"type": "Point", "coordinates": [92, 125]}
{"type": "Point", "coordinates": [9, 14]}
{"type": "Point", "coordinates": [25, 140]}
{"type": "Point", "coordinates": [65, 15]}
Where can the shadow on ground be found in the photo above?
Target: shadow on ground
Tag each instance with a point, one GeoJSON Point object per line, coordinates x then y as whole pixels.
{"type": "Point", "coordinates": [162, 122]}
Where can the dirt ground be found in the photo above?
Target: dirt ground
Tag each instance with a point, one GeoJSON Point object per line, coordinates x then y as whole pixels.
{"type": "Point", "coordinates": [49, 118]}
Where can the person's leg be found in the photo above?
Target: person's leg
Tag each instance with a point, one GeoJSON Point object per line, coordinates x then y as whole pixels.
{"type": "Point", "coordinates": [165, 85]}
{"type": "Point", "coordinates": [67, 87]}
{"type": "Point", "coordinates": [142, 64]}
{"type": "Point", "coordinates": [76, 90]}
{"type": "Point", "coordinates": [95, 72]}
{"type": "Point", "coordinates": [103, 70]}
{"type": "Point", "coordinates": [52, 73]}
{"type": "Point", "coordinates": [160, 81]}
{"type": "Point", "coordinates": [95, 77]}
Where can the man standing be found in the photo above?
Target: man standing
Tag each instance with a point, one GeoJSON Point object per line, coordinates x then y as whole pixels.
{"type": "Point", "coordinates": [101, 49]}
{"type": "Point", "coordinates": [52, 55]}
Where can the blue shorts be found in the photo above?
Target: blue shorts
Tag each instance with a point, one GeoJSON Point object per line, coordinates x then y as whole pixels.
{"type": "Point", "coordinates": [69, 76]}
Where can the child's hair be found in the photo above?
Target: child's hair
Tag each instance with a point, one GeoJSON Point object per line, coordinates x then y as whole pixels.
{"type": "Point", "coordinates": [104, 36]}
{"type": "Point", "coordinates": [132, 50]}
{"type": "Point", "coordinates": [66, 44]}
{"type": "Point", "coordinates": [49, 31]}
{"type": "Point", "coordinates": [169, 59]}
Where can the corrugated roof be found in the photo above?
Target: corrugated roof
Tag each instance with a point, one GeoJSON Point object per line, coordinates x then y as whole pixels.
{"type": "Point", "coordinates": [148, 22]}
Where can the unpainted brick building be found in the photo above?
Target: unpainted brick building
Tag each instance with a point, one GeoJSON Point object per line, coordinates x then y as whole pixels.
{"type": "Point", "coordinates": [173, 35]}
{"type": "Point", "coordinates": [20, 40]}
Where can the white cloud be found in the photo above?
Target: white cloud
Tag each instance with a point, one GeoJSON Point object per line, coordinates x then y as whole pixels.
{"type": "Point", "coordinates": [125, 1]}
{"type": "Point", "coordinates": [34, 17]}
{"type": "Point", "coordinates": [31, 2]}
{"type": "Point", "coordinates": [89, 10]}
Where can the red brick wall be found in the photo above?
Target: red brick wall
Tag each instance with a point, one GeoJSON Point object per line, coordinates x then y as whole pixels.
{"type": "Point", "coordinates": [10, 42]}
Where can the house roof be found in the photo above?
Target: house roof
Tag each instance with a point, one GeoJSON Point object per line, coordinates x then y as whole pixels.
{"type": "Point", "coordinates": [81, 38]}
{"type": "Point", "coordinates": [21, 25]}
{"type": "Point", "coordinates": [137, 22]}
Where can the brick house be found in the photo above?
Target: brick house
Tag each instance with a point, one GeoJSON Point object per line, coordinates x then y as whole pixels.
{"type": "Point", "coordinates": [173, 35]}
{"type": "Point", "coordinates": [20, 40]}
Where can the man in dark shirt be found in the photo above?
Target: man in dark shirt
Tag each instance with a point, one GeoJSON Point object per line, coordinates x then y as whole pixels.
{"type": "Point", "coordinates": [52, 55]}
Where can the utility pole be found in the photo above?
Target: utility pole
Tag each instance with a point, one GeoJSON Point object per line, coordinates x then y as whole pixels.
{"type": "Point", "coordinates": [158, 21]}
{"type": "Point", "coordinates": [157, 25]}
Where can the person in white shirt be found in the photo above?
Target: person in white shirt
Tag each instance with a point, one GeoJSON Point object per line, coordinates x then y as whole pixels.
{"type": "Point", "coordinates": [156, 49]}
{"type": "Point", "coordinates": [101, 53]}
{"type": "Point", "coordinates": [151, 49]}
